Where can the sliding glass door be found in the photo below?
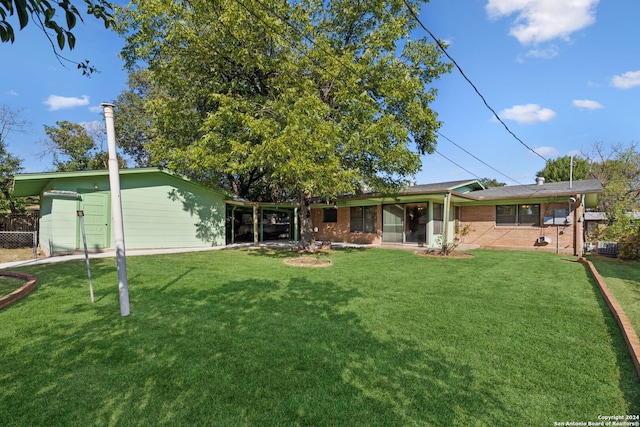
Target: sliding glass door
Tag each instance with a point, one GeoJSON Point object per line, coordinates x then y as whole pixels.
{"type": "Point", "coordinates": [392, 223]}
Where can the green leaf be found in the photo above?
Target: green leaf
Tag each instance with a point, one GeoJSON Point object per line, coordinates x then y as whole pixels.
{"type": "Point", "coordinates": [49, 14]}
{"type": "Point", "coordinates": [71, 39]}
{"type": "Point", "coordinates": [23, 15]}
{"type": "Point", "coordinates": [6, 32]}
{"type": "Point", "coordinates": [61, 39]}
{"type": "Point", "coordinates": [71, 19]}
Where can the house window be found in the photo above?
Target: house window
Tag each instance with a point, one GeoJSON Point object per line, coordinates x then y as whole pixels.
{"type": "Point", "coordinates": [438, 218]}
{"type": "Point", "coordinates": [526, 215]}
{"type": "Point", "coordinates": [363, 219]}
{"type": "Point", "coordinates": [329, 215]}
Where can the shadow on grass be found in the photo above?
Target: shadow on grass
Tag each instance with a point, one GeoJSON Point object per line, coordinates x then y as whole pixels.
{"type": "Point", "coordinates": [282, 253]}
{"type": "Point", "coordinates": [250, 352]}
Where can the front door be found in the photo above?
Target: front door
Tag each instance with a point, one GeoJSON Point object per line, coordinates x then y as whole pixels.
{"type": "Point", "coordinates": [415, 223]}
{"type": "Point", "coordinates": [96, 220]}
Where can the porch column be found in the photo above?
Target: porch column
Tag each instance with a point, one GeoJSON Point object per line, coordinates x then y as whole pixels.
{"type": "Point", "coordinates": [445, 218]}
{"type": "Point", "coordinates": [296, 238]}
{"type": "Point", "coordinates": [256, 237]}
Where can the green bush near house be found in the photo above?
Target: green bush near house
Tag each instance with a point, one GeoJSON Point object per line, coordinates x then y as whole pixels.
{"type": "Point", "coordinates": [380, 337]}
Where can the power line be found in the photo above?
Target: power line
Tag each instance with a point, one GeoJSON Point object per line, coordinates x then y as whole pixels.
{"type": "Point", "coordinates": [466, 170]}
{"type": "Point", "coordinates": [469, 81]}
{"type": "Point", "coordinates": [481, 161]}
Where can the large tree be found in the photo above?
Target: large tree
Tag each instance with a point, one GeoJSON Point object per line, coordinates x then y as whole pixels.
{"type": "Point", "coordinates": [318, 97]}
{"type": "Point", "coordinates": [74, 147]}
{"type": "Point", "coordinates": [56, 20]}
{"type": "Point", "coordinates": [133, 125]}
{"type": "Point", "coordinates": [11, 121]}
{"type": "Point", "coordinates": [566, 168]}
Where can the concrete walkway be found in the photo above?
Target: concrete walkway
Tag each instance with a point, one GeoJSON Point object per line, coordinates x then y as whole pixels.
{"type": "Point", "coordinates": [139, 252]}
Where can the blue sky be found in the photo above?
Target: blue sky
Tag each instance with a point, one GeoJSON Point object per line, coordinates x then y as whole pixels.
{"type": "Point", "coordinates": [561, 75]}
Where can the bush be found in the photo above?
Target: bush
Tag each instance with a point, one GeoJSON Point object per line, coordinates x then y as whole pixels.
{"type": "Point", "coordinates": [629, 246]}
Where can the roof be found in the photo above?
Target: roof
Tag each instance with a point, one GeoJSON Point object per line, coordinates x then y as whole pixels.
{"type": "Point", "coordinates": [444, 187]}
{"type": "Point", "coordinates": [564, 188]}
{"type": "Point", "coordinates": [33, 184]}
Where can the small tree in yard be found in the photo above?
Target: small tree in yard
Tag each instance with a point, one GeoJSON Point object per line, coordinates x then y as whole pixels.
{"type": "Point", "coordinates": [318, 97]}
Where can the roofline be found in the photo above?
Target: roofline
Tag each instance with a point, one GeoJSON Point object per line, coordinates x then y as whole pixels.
{"type": "Point", "coordinates": [105, 172]}
{"type": "Point", "coordinates": [95, 172]}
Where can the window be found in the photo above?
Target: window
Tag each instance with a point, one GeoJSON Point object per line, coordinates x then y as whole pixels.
{"type": "Point", "coordinates": [526, 215]}
{"type": "Point", "coordinates": [329, 215]}
{"type": "Point", "coordinates": [363, 219]}
{"type": "Point", "coordinates": [438, 218]}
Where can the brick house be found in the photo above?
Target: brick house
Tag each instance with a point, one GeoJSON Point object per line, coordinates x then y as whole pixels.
{"type": "Point", "coordinates": [547, 217]}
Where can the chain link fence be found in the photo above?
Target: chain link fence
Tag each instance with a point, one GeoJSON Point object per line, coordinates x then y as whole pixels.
{"type": "Point", "coordinates": [18, 236]}
{"type": "Point", "coordinates": [19, 240]}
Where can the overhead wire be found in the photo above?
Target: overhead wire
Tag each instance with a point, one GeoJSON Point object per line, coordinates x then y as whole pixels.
{"type": "Point", "coordinates": [442, 48]}
{"type": "Point", "coordinates": [461, 167]}
{"type": "Point", "coordinates": [478, 159]}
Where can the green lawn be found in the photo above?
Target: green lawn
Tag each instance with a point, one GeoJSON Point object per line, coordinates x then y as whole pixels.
{"type": "Point", "coordinates": [9, 284]}
{"type": "Point", "coordinates": [381, 337]}
{"type": "Point", "coordinates": [623, 279]}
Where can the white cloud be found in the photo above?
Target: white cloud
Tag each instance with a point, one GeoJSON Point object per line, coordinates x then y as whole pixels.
{"type": "Point", "coordinates": [56, 102]}
{"type": "Point", "coordinates": [587, 104]}
{"type": "Point", "coordinates": [12, 93]}
{"type": "Point", "coordinates": [627, 80]}
{"type": "Point", "coordinates": [96, 109]}
{"type": "Point", "coordinates": [543, 20]}
{"type": "Point", "coordinates": [546, 53]}
{"type": "Point", "coordinates": [546, 151]}
{"type": "Point", "coordinates": [529, 113]}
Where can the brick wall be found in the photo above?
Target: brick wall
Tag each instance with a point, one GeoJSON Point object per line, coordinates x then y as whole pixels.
{"type": "Point", "coordinates": [485, 233]}
{"type": "Point", "coordinates": [339, 231]}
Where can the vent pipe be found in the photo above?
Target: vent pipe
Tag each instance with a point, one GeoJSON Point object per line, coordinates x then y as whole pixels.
{"type": "Point", "coordinates": [539, 180]}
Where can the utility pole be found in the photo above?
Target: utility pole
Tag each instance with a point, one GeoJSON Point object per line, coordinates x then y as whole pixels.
{"type": "Point", "coordinates": [116, 210]}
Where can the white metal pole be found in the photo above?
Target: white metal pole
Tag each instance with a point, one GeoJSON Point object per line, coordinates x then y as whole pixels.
{"type": "Point", "coordinates": [116, 210]}
{"type": "Point", "coordinates": [86, 252]}
{"type": "Point", "coordinates": [571, 174]}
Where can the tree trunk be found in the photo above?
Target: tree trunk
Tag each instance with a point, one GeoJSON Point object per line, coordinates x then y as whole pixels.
{"type": "Point", "coordinates": [307, 241]}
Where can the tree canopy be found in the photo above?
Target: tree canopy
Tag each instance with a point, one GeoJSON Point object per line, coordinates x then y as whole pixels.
{"type": "Point", "coordinates": [315, 98]}
{"type": "Point", "coordinates": [74, 147]}
{"type": "Point", "coordinates": [560, 169]}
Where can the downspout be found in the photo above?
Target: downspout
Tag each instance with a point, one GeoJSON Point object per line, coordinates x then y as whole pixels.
{"type": "Point", "coordinates": [578, 227]}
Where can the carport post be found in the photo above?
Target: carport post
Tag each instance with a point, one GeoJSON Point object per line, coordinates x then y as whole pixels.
{"type": "Point", "coordinates": [116, 210]}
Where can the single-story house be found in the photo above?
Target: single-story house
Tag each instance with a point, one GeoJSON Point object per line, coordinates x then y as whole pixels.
{"type": "Point", "coordinates": [160, 210]}
{"type": "Point", "coordinates": [539, 216]}
{"type": "Point", "coordinates": [165, 210]}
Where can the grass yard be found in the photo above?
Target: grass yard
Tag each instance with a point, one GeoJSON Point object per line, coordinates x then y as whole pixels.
{"type": "Point", "coordinates": [379, 338]}
{"type": "Point", "coordinates": [623, 280]}
{"type": "Point", "coordinates": [9, 284]}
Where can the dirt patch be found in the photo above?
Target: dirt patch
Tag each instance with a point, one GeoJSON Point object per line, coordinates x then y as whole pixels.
{"type": "Point", "coordinates": [306, 261]}
{"type": "Point", "coordinates": [439, 254]}
{"type": "Point", "coordinates": [10, 255]}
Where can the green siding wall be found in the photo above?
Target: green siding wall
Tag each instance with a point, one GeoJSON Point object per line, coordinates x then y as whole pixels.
{"type": "Point", "coordinates": [170, 214]}
{"type": "Point", "coordinates": [159, 211]}
{"type": "Point", "coordinates": [64, 225]}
